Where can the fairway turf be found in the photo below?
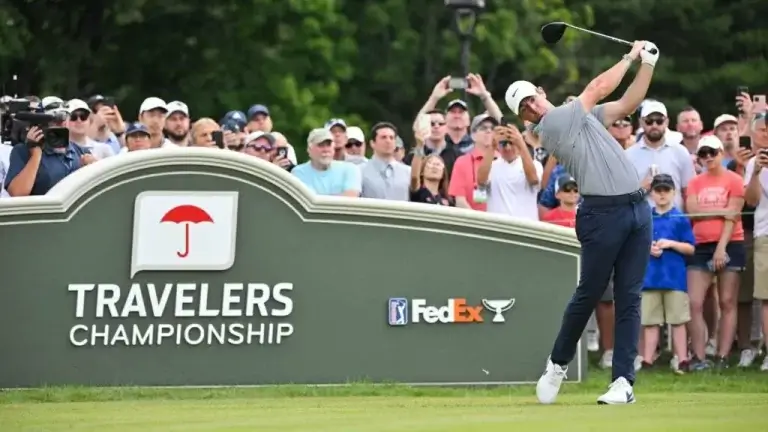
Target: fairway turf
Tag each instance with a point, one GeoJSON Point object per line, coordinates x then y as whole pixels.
{"type": "Point", "coordinates": [695, 402]}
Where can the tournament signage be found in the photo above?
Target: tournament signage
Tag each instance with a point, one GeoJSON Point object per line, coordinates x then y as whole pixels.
{"type": "Point", "coordinates": [205, 267]}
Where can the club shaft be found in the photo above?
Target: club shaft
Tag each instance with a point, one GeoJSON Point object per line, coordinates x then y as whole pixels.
{"type": "Point", "coordinates": [615, 39]}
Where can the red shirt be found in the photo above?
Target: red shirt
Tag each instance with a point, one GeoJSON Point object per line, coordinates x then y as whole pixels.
{"type": "Point", "coordinates": [713, 193]}
{"type": "Point", "coordinates": [561, 216]}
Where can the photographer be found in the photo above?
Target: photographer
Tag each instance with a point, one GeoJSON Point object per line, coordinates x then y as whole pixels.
{"type": "Point", "coordinates": [43, 160]}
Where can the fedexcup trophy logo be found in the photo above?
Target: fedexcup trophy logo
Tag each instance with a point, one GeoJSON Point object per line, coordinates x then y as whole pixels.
{"type": "Point", "coordinates": [498, 307]}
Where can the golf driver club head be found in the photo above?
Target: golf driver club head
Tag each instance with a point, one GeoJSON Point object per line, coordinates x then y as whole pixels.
{"type": "Point", "coordinates": [553, 32]}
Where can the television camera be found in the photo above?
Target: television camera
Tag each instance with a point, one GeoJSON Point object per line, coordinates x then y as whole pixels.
{"type": "Point", "coordinates": [17, 117]}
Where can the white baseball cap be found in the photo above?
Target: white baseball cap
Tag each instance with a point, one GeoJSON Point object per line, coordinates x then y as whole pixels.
{"type": "Point", "coordinates": [355, 133]}
{"type": "Point", "coordinates": [651, 107]}
{"type": "Point", "coordinates": [77, 104]}
{"type": "Point", "coordinates": [710, 141]}
{"type": "Point", "coordinates": [151, 103]}
{"type": "Point", "coordinates": [725, 118]}
{"type": "Point", "coordinates": [177, 106]}
{"type": "Point", "coordinates": [518, 91]}
{"type": "Point", "coordinates": [51, 100]}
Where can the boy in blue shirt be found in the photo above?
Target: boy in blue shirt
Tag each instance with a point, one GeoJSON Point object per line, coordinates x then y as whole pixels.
{"type": "Point", "coordinates": [665, 288]}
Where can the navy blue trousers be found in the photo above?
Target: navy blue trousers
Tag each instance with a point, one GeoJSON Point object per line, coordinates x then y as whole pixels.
{"type": "Point", "coordinates": [615, 234]}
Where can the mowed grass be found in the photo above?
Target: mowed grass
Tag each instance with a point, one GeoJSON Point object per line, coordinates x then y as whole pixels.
{"type": "Point", "coordinates": [695, 402]}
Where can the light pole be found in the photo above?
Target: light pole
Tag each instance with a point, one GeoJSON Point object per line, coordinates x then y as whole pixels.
{"type": "Point", "coordinates": [465, 17]}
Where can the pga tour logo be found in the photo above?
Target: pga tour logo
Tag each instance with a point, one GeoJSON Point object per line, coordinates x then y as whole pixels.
{"type": "Point", "coordinates": [184, 231]}
{"type": "Point", "coordinates": [456, 311]}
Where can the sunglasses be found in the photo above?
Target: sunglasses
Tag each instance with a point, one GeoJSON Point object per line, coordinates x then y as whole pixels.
{"type": "Point", "coordinates": [260, 148]}
{"type": "Point", "coordinates": [707, 153]}
{"type": "Point", "coordinates": [651, 121]}
{"type": "Point", "coordinates": [570, 189]}
{"type": "Point", "coordinates": [662, 188]}
{"type": "Point", "coordinates": [353, 143]}
{"type": "Point", "coordinates": [82, 116]}
{"type": "Point", "coordinates": [438, 123]}
{"type": "Point", "coordinates": [622, 123]}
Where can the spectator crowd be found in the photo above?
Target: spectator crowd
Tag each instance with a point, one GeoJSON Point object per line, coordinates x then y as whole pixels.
{"type": "Point", "coordinates": [706, 286]}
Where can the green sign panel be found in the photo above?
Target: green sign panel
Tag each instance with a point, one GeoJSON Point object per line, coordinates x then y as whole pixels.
{"type": "Point", "coordinates": [205, 267]}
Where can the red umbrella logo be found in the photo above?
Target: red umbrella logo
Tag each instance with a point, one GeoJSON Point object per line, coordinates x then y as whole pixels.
{"type": "Point", "coordinates": [186, 214]}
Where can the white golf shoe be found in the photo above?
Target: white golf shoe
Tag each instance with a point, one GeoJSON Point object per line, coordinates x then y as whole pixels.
{"type": "Point", "coordinates": [619, 392]}
{"type": "Point", "coordinates": [549, 384]}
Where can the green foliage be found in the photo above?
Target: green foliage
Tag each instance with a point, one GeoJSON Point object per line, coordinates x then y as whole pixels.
{"type": "Point", "coordinates": [310, 60]}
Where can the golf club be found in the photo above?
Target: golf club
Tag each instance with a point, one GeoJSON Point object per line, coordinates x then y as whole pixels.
{"type": "Point", "coordinates": [553, 32]}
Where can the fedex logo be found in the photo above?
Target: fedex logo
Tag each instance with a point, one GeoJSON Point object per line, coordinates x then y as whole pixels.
{"type": "Point", "coordinates": [456, 311]}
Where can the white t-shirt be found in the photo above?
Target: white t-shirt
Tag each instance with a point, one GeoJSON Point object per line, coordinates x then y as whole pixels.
{"type": "Point", "coordinates": [510, 193]}
{"type": "Point", "coordinates": [761, 212]}
{"type": "Point", "coordinates": [98, 149]}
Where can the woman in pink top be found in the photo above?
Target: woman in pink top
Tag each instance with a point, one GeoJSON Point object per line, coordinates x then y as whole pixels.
{"type": "Point", "coordinates": [714, 200]}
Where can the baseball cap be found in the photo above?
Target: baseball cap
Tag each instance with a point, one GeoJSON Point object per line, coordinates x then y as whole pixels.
{"type": "Point", "coordinates": [355, 133]}
{"type": "Point", "coordinates": [51, 102]}
{"type": "Point", "coordinates": [257, 109]}
{"type": "Point", "coordinates": [253, 136]}
{"type": "Point", "coordinates": [335, 122]}
{"type": "Point", "coordinates": [563, 181]}
{"type": "Point", "coordinates": [725, 118]}
{"type": "Point", "coordinates": [662, 181]}
{"type": "Point", "coordinates": [177, 106]}
{"type": "Point", "coordinates": [651, 107]}
{"type": "Point", "coordinates": [399, 142]}
{"type": "Point", "coordinates": [319, 135]}
{"type": "Point", "coordinates": [235, 117]}
{"type": "Point", "coordinates": [710, 141]}
{"type": "Point", "coordinates": [518, 91]}
{"type": "Point", "coordinates": [136, 128]}
{"type": "Point", "coordinates": [151, 103]}
{"type": "Point", "coordinates": [77, 104]}
{"type": "Point", "coordinates": [480, 119]}
{"type": "Point", "coordinates": [457, 102]}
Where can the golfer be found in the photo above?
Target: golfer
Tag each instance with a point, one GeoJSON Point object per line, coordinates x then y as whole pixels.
{"type": "Point", "coordinates": [613, 223]}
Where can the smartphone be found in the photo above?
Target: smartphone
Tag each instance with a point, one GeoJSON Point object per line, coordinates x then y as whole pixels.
{"type": "Point", "coordinates": [742, 89]}
{"type": "Point", "coordinates": [503, 121]}
{"type": "Point", "coordinates": [458, 83]}
{"type": "Point", "coordinates": [218, 138]}
{"type": "Point", "coordinates": [424, 125]}
{"type": "Point", "coordinates": [282, 152]}
{"type": "Point", "coordinates": [108, 101]}
{"type": "Point", "coordinates": [745, 142]}
{"type": "Point", "coordinates": [759, 103]}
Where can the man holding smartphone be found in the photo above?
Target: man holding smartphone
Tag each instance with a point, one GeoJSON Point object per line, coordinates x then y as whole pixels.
{"type": "Point", "coordinates": [756, 194]}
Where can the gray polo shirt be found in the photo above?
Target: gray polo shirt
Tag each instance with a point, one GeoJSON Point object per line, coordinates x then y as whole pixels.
{"type": "Point", "coordinates": [588, 152]}
{"type": "Point", "coordinates": [671, 158]}
{"type": "Point", "coordinates": [386, 180]}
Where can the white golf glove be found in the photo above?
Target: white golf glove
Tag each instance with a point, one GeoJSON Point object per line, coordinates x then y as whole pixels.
{"type": "Point", "coordinates": [647, 57]}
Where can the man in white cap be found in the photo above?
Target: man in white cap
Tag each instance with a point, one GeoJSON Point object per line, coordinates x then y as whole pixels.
{"type": "Point", "coordinates": [322, 174]}
{"type": "Point", "coordinates": [177, 124]}
{"type": "Point", "coordinates": [655, 154]}
{"type": "Point", "coordinates": [152, 114]}
{"type": "Point", "coordinates": [614, 220]}
{"type": "Point", "coordinates": [78, 123]}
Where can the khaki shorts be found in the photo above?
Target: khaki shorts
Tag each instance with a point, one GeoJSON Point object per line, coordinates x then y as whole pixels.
{"type": "Point", "coordinates": [747, 286]}
{"type": "Point", "coordinates": [761, 268]}
{"type": "Point", "coordinates": [665, 307]}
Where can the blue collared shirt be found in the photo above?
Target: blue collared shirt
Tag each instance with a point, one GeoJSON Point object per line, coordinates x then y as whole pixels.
{"type": "Point", "coordinates": [667, 272]}
{"type": "Point", "coordinates": [53, 166]}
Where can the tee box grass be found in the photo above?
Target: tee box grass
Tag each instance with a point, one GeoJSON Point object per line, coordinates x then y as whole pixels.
{"type": "Point", "coordinates": [733, 400]}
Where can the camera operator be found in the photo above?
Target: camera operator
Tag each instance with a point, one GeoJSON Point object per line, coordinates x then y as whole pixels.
{"type": "Point", "coordinates": [44, 159]}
